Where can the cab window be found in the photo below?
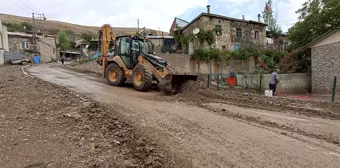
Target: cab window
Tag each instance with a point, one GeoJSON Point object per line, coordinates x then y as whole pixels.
{"type": "Point", "coordinates": [125, 46]}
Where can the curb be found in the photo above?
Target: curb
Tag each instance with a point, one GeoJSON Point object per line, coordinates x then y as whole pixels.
{"type": "Point", "coordinates": [24, 71]}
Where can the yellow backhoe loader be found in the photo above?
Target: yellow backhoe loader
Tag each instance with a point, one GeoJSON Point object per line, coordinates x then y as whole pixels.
{"type": "Point", "coordinates": [133, 60]}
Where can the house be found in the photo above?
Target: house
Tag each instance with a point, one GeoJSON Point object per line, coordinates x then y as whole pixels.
{"type": "Point", "coordinates": [281, 42]}
{"type": "Point", "coordinates": [325, 58]}
{"type": "Point", "coordinates": [23, 43]}
{"type": "Point", "coordinates": [230, 33]}
{"type": "Point", "coordinates": [3, 42]}
{"type": "Point", "coordinates": [177, 23]}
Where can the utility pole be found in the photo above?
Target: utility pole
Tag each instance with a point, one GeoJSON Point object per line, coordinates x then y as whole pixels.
{"type": "Point", "coordinates": [36, 17]}
{"type": "Point", "coordinates": [138, 25]}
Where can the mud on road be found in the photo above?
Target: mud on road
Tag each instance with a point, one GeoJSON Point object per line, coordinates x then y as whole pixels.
{"type": "Point", "coordinates": [212, 131]}
{"type": "Point", "coordinates": [220, 101]}
{"type": "Point", "coordinates": [46, 125]}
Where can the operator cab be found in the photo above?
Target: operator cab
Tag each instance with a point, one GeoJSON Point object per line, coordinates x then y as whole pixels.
{"type": "Point", "coordinates": [130, 47]}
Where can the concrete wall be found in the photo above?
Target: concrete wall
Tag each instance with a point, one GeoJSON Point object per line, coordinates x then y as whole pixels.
{"type": "Point", "coordinates": [2, 59]}
{"type": "Point", "coordinates": [334, 38]}
{"type": "Point", "coordinates": [325, 65]}
{"type": "Point", "coordinates": [228, 37]}
{"type": "Point", "coordinates": [157, 42]}
{"type": "Point", "coordinates": [289, 83]}
{"type": "Point", "coordinates": [3, 37]}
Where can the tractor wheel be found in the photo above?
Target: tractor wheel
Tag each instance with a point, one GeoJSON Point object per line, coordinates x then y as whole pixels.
{"type": "Point", "coordinates": [141, 77]}
{"type": "Point", "coordinates": [115, 75]}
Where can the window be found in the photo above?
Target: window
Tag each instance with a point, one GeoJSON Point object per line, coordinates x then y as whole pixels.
{"type": "Point", "coordinates": [125, 46]}
{"type": "Point", "coordinates": [24, 45]}
{"type": "Point", "coordinates": [238, 32]}
{"type": "Point", "coordinates": [257, 35]}
{"type": "Point", "coordinates": [136, 45]}
{"type": "Point", "coordinates": [223, 47]}
{"type": "Point", "coordinates": [236, 46]}
{"type": "Point", "coordinates": [218, 30]}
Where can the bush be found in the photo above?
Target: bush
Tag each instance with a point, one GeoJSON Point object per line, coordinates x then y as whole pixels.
{"type": "Point", "coordinates": [13, 27]}
{"type": "Point", "coordinates": [220, 56]}
{"type": "Point", "coordinates": [28, 26]}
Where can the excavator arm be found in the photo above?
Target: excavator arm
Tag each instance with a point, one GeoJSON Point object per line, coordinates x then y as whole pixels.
{"type": "Point", "coordinates": [105, 37]}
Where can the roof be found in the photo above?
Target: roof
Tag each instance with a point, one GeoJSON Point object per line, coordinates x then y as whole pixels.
{"type": "Point", "coordinates": [224, 18]}
{"type": "Point", "coordinates": [159, 37]}
{"type": "Point", "coordinates": [181, 22]}
{"type": "Point", "coordinates": [71, 52]}
{"type": "Point", "coordinates": [27, 35]}
{"type": "Point", "coordinates": [327, 34]}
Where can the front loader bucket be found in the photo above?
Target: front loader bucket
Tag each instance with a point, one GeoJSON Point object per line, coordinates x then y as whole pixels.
{"type": "Point", "coordinates": [172, 83]}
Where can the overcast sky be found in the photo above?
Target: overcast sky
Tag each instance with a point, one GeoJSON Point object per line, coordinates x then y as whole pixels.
{"type": "Point", "coordinates": [155, 14]}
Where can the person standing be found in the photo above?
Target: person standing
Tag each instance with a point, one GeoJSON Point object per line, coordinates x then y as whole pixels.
{"type": "Point", "coordinates": [273, 81]}
{"type": "Point", "coordinates": [63, 59]}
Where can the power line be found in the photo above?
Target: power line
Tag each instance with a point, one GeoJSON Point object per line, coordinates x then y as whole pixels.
{"type": "Point", "coordinates": [31, 6]}
{"type": "Point", "coordinates": [19, 6]}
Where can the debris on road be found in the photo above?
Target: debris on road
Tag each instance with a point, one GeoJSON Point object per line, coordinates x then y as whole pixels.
{"type": "Point", "coordinates": [51, 122]}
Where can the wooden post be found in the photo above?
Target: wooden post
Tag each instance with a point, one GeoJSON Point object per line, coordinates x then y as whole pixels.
{"type": "Point", "coordinates": [334, 89]}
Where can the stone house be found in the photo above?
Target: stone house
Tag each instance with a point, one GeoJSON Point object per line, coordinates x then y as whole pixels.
{"type": "Point", "coordinates": [325, 58]}
{"type": "Point", "coordinates": [23, 43]}
{"type": "Point", "coordinates": [177, 23]}
{"type": "Point", "coordinates": [230, 33]}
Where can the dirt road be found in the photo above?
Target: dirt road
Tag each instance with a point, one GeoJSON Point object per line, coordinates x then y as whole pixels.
{"type": "Point", "coordinates": [47, 126]}
{"type": "Point", "coordinates": [206, 138]}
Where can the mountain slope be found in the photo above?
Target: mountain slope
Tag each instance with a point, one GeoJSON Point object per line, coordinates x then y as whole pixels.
{"type": "Point", "coordinates": [50, 26]}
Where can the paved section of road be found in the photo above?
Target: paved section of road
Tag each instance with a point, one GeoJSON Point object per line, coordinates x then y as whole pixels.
{"type": "Point", "coordinates": [206, 138]}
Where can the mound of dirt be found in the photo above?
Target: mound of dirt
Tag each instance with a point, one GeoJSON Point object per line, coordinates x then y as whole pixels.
{"type": "Point", "coordinates": [48, 125]}
{"type": "Point", "coordinates": [192, 87]}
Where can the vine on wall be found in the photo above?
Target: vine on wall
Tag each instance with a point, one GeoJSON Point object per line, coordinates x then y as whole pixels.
{"type": "Point", "coordinates": [208, 36]}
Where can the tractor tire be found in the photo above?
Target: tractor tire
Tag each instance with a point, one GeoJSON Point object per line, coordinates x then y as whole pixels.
{"type": "Point", "coordinates": [142, 77]}
{"type": "Point", "coordinates": [115, 75]}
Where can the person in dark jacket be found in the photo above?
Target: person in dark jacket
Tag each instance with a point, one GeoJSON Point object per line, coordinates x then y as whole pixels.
{"type": "Point", "coordinates": [273, 81]}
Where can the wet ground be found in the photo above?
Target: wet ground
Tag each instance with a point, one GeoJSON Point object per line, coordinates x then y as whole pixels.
{"type": "Point", "coordinates": [43, 125]}
{"type": "Point", "coordinates": [214, 135]}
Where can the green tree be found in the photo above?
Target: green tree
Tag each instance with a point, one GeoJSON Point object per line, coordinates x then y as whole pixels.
{"type": "Point", "coordinates": [13, 27]}
{"type": "Point", "coordinates": [273, 28]}
{"type": "Point", "coordinates": [28, 26]}
{"type": "Point", "coordinates": [87, 37]}
{"type": "Point", "coordinates": [64, 41]}
{"type": "Point", "coordinates": [316, 18]}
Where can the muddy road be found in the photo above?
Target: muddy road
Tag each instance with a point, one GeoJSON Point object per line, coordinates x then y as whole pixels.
{"type": "Point", "coordinates": [205, 137]}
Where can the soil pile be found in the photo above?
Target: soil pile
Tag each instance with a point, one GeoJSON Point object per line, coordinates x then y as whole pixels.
{"type": "Point", "coordinates": [45, 125]}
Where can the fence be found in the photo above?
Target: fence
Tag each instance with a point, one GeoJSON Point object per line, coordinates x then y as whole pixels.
{"type": "Point", "coordinates": [296, 85]}
{"type": "Point", "coordinates": [328, 90]}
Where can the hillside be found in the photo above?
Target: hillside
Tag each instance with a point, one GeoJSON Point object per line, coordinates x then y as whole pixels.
{"type": "Point", "coordinates": [50, 26]}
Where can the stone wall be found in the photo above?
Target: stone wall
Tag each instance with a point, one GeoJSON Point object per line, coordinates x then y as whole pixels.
{"type": "Point", "coordinates": [91, 66]}
{"type": "Point", "coordinates": [14, 44]}
{"type": "Point", "coordinates": [228, 37]}
{"type": "Point", "coordinates": [184, 64]}
{"type": "Point", "coordinates": [45, 45]}
{"type": "Point", "coordinates": [325, 65]}
{"type": "Point", "coordinates": [289, 83]}
{"type": "Point", "coordinates": [47, 48]}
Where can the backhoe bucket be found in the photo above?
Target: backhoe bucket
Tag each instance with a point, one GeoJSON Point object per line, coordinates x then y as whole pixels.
{"type": "Point", "coordinates": [172, 83]}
